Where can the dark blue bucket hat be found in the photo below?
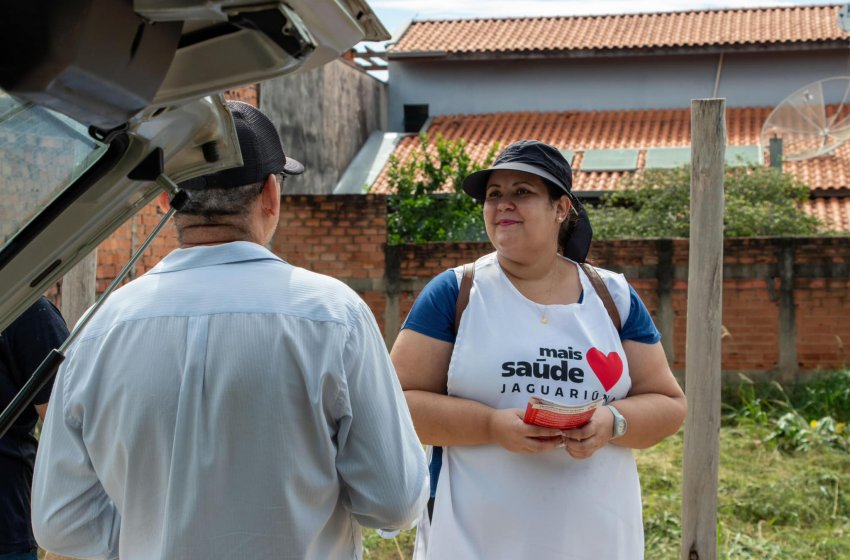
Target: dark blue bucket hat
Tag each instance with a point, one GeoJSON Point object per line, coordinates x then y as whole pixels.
{"type": "Point", "coordinates": [543, 160]}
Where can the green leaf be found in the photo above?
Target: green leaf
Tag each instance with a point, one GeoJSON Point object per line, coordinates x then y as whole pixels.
{"type": "Point", "coordinates": [759, 201]}
{"type": "Point", "coordinates": [428, 204]}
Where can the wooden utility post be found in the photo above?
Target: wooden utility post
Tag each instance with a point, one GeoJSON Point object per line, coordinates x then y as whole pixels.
{"type": "Point", "coordinates": [78, 289]}
{"type": "Point", "coordinates": [702, 350]}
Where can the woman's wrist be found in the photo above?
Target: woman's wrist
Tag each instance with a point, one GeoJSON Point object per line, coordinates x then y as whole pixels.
{"type": "Point", "coordinates": [490, 426]}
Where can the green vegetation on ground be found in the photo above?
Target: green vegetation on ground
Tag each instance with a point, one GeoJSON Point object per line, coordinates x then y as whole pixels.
{"type": "Point", "coordinates": [784, 478]}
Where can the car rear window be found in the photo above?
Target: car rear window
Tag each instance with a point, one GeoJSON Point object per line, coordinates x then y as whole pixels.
{"type": "Point", "coordinates": [41, 153]}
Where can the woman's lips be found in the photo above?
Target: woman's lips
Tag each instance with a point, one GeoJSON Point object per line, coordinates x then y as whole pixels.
{"type": "Point", "coordinates": [506, 222]}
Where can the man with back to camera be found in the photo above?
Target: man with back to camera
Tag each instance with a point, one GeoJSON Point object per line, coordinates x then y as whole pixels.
{"type": "Point", "coordinates": [23, 346]}
{"type": "Point", "coordinates": [227, 404]}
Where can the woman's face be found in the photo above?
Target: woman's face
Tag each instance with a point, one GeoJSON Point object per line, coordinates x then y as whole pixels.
{"type": "Point", "coordinates": [520, 218]}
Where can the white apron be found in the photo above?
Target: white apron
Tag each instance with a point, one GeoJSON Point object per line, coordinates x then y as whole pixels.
{"type": "Point", "coordinates": [494, 504]}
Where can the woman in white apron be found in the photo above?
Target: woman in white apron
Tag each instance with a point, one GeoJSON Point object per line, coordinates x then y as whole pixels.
{"type": "Point", "coordinates": [534, 326]}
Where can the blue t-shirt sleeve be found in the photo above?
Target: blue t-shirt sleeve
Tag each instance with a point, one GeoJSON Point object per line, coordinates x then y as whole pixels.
{"type": "Point", "coordinates": [639, 326]}
{"type": "Point", "coordinates": [433, 312]}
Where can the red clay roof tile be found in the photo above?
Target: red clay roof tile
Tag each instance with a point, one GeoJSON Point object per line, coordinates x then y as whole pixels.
{"type": "Point", "coordinates": [832, 211]}
{"type": "Point", "coordinates": [745, 26]}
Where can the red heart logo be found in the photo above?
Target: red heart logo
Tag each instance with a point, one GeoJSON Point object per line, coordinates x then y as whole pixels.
{"type": "Point", "coordinates": [608, 369]}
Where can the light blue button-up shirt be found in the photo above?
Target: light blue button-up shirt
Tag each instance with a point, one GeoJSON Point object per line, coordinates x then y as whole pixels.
{"type": "Point", "coordinates": [226, 405]}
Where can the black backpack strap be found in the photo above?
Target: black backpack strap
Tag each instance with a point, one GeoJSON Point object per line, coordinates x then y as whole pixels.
{"type": "Point", "coordinates": [603, 293]}
{"type": "Point", "coordinates": [463, 295]}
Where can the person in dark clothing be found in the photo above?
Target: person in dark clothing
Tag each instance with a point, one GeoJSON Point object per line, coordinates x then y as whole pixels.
{"type": "Point", "coordinates": [23, 345]}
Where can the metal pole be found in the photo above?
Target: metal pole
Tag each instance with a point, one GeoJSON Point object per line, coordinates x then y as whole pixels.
{"type": "Point", "coordinates": [776, 153]}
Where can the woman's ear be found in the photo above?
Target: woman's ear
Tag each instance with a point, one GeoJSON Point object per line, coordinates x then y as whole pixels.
{"type": "Point", "coordinates": [563, 209]}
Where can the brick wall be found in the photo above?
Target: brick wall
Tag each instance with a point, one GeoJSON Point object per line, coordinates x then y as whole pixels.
{"type": "Point", "coordinates": [115, 251]}
{"type": "Point", "coordinates": [786, 302]}
{"type": "Point", "coordinates": [821, 321]}
{"type": "Point", "coordinates": [342, 236]}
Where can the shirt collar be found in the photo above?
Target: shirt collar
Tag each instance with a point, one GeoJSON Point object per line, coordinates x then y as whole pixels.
{"type": "Point", "coordinates": [211, 255]}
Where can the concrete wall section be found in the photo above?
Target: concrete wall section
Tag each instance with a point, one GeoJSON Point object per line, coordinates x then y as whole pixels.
{"type": "Point", "coordinates": [602, 84]}
{"type": "Point", "coordinates": [324, 116]}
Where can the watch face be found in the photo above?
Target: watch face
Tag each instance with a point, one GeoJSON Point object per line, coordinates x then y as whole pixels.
{"type": "Point", "coordinates": [619, 427]}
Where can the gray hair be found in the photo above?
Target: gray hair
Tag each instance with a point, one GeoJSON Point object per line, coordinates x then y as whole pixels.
{"type": "Point", "coordinates": [211, 203]}
{"type": "Point", "coordinates": [214, 203]}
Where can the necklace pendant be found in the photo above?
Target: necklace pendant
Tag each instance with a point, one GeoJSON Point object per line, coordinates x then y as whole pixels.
{"type": "Point", "coordinates": [544, 320]}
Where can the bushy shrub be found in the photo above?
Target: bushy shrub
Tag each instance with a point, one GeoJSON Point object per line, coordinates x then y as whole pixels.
{"type": "Point", "coordinates": [427, 204]}
{"type": "Point", "coordinates": [420, 209]}
{"type": "Point", "coordinates": [759, 201]}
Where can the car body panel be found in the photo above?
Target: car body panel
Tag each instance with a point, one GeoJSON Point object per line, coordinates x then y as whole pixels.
{"type": "Point", "coordinates": [162, 104]}
{"type": "Point", "coordinates": [43, 250]}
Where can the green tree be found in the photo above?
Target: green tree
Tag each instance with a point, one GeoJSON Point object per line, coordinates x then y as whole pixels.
{"type": "Point", "coordinates": [418, 211]}
{"type": "Point", "coordinates": [760, 201]}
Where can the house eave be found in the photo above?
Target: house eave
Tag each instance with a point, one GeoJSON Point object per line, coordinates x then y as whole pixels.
{"type": "Point", "coordinates": [443, 55]}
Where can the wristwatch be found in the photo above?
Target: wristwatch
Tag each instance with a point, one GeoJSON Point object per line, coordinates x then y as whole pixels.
{"type": "Point", "coordinates": [620, 424]}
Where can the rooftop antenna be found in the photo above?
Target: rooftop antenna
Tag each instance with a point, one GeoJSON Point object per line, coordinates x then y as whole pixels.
{"type": "Point", "coordinates": [813, 121]}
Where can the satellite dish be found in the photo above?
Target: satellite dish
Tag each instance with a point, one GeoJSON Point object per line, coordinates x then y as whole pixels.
{"type": "Point", "coordinates": [844, 18]}
{"type": "Point", "coordinates": [813, 121]}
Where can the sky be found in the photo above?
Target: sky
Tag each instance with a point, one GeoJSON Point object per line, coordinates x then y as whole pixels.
{"type": "Point", "coordinates": [396, 14]}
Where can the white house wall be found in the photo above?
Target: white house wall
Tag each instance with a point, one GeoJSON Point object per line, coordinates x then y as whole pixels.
{"type": "Point", "coordinates": [752, 80]}
{"type": "Point", "coordinates": [597, 83]}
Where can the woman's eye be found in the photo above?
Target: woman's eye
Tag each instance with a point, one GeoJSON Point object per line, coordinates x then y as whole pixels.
{"type": "Point", "coordinates": [493, 194]}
